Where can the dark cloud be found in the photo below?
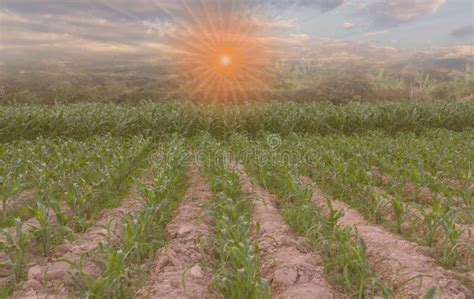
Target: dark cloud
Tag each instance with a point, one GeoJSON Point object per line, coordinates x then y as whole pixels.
{"type": "Point", "coordinates": [465, 31]}
{"type": "Point", "coordinates": [116, 10]}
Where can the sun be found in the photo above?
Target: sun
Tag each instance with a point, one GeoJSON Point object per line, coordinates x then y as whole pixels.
{"type": "Point", "coordinates": [226, 60]}
{"type": "Point", "coordinates": [220, 58]}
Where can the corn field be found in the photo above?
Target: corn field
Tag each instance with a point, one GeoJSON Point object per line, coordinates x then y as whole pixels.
{"type": "Point", "coordinates": [268, 200]}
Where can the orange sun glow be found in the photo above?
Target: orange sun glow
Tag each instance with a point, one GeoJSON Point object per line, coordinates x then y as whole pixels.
{"type": "Point", "coordinates": [220, 58]}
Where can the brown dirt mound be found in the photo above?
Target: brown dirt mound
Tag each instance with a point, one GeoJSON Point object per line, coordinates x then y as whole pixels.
{"type": "Point", "coordinates": [25, 197]}
{"type": "Point", "coordinates": [396, 259]}
{"type": "Point", "coordinates": [288, 263]}
{"type": "Point", "coordinates": [50, 276]}
{"type": "Point", "coordinates": [179, 260]}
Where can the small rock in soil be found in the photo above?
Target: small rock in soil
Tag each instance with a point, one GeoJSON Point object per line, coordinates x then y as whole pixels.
{"type": "Point", "coordinates": [31, 284]}
{"type": "Point", "coordinates": [57, 271]}
{"type": "Point", "coordinates": [196, 272]}
{"type": "Point", "coordinates": [61, 250]}
{"type": "Point", "coordinates": [35, 272]}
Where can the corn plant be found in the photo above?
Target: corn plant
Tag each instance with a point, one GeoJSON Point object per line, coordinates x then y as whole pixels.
{"type": "Point", "coordinates": [433, 219]}
{"type": "Point", "coordinates": [62, 217]}
{"type": "Point", "coordinates": [452, 246]}
{"type": "Point", "coordinates": [45, 233]}
{"type": "Point", "coordinates": [78, 196]}
{"type": "Point", "coordinates": [399, 209]}
{"type": "Point", "coordinates": [116, 279]}
{"type": "Point", "coordinates": [380, 205]}
{"type": "Point", "coordinates": [141, 234]}
{"type": "Point", "coordinates": [9, 189]}
{"type": "Point", "coordinates": [53, 227]}
{"type": "Point", "coordinates": [15, 246]}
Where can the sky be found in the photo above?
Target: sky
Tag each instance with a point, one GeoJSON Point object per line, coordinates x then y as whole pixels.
{"type": "Point", "coordinates": [145, 31]}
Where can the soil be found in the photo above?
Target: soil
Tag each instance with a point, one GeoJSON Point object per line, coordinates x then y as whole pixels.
{"type": "Point", "coordinates": [287, 262]}
{"type": "Point", "coordinates": [403, 263]}
{"type": "Point", "coordinates": [181, 260]}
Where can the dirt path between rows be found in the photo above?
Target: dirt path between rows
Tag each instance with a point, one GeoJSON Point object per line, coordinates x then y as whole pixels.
{"type": "Point", "coordinates": [179, 260]}
{"type": "Point", "coordinates": [49, 277]}
{"type": "Point", "coordinates": [288, 263]}
{"type": "Point", "coordinates": [395, 259]}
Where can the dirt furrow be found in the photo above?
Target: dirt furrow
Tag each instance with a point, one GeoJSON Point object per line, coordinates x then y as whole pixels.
{"type": "Point", "coordinates": [395, 259]}
{"type": "Point", "coordinates": [288, 262]}
{"type": "Point", "coordinates": [50, 276]}
{"type": "Point", "coordinates": [176, 272]}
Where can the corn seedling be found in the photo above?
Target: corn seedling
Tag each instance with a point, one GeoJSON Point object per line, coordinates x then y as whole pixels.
{"type": "Point", "coordinates": [116, 279]}
{"type": "Point", "coordinates": [141, 234]}
{"type": "Point", "coordinates": [399, 209]}
{"type": "Point", "coordinates": [45, 233]}
{"type": "Point", "coordinates": [15, 245]}
{"type": "Point", "coordinates": [9, 189]}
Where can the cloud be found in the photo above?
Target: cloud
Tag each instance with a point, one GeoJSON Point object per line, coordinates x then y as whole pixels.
{"type": "Point", "coordinates": [463, 31]}
{"type": "Point", "coordinates": [324, 5]}
{"type": "Point", "coordinates": [390, 13]}
{"type": "Point", "coordinates": [107, 9]}
{"type": "Point", "coordinates": [348, 25]}
{"type": "Point", "coordinates": [326, 51]}
{"type": "Point", "coordinates": [374, 33]}
{"type": "Point", "coordinates": [451, 52]}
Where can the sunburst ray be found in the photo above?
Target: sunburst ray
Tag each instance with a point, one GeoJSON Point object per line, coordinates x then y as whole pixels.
{"type": "Point", "coordinates": [220, 53]}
